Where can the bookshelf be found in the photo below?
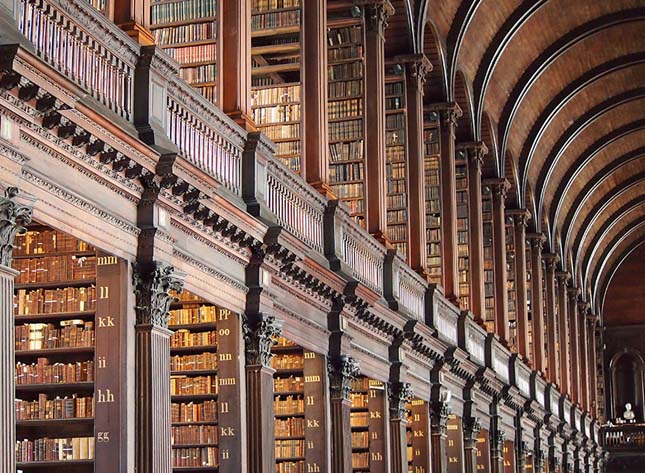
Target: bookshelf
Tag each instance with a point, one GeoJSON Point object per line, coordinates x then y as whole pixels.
{"type": "Point", "coordinates": [367, 420]}
{"type": "Point", "coordinates": [396, 156]}
{"type": "Point", "coordinates": [529, 302]}
{"type": "Point", "coordinates": [345, 92]}
{"type": "Point", "coordinates": [204, 385]}
{"type": "Point", "coordinates": [188, 31]}
{"type": "Point", "coordinates": [432, 186]}
{"type": "Point", "coordinates": [510, 286]}
{"type": "Point", "coordinates": [68, 306]}
{"type": "Point", "coordinates": [463, 231]}
{"type": "Point", "coordinates": [489, 272]}
{"type": "Point", "coordinates": [277, 75]}
{"type": "Point", "coordinates": [298, 388]}
{"type": "Point", "coordinates": [418, 451]}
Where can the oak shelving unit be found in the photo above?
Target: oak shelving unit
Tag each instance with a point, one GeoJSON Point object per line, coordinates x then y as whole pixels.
{"type": "Point", "coordinates": [432, 189]}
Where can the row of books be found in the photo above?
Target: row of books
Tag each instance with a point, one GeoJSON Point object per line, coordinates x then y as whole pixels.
{"type": "Point", "coordinates": [193, 54]}
{"type": "Point", "coordinates": [359, 400]}
{"type": "Point", "coordinates": [72, 334]}
{"type": "Point", "coordinates": [42, 372]}
{"type": "Point", "coordinates": [355, 206]}
{"type": "Point", "coordinates": [346, 130]}
{"type": "Point", "coordinates": [276, 114]}
{"type": "Point", "coordinates": [345, 108]}
{"type": "Point", "coordinates": [342, 36]}
{"type": "Point", "coordinates": [186, 338]}
{"type": "Point", "coordinates": [288, 147]}
{"type": "Point", "coordinates": [398, 232]}
{"type": "Point", "coordinates": [359, 419]}
{"type": "Point", "coordinates": [275, 20]}
{"type": "Point", "coordinates": [194, 434]}
{"type": "Point", "coordinates": [290, 384]}
{"type": "Point", "coordinates": [200, 74]}
{"type": "Point", "coordinates": [193, 385]}
{"type": "Point", "coordinates": [395, 121]}
{"type": "Point", "coordinates": [186, 33]}
{"type": "Point", "coordinates": [360, 439]}
{"type": "Point", "coordinates": [342, 89]}
{"type": "Point", "coordinates": [56, 449]}
{"type": "Point", "coordinates": [195, 456]}
{"type": "Point", "coordinates": [291, 427]}
{"type": "Point", "coordinates": [193, 315]}
{"type": "Point", "coordinates": [394, 88]}
{"type": "Point", "coordinates": [346, 172]}
{"type": "Point", "coordinates": [345, 191]}
{"type": "Point", "coordinates": [58, 408]}
{"type": "Point", "coordinates": [291, 405]}
{"type": "Point", "coordinates": [265, 5]}
{"type": "Point", "coordinates": [47, 241]}
{"type": "Point", "coordinates": [182, 412]}
{"type": "Point", "coordinates": [54, 269]}
{"type": "Point", "coordinates": [289, 448]}
{"type": "Point", "coordinates": [208, 92]}
{"type": "Point", "coordinates": [282, 94]}
{"type": "Point", "coordinates": [395, 201]}
{"type": "Point", "coordinates": [51, 301]}
{"type": "Point", "coordinates": [291, 467]}
{"type": "Point", "coordinates": [348, 151]}
{"type": "Point", "coordinates": [353, 51]}
{"type": "Point", "coordinates": [360, 460]}
{"type": "Point", "coordinates": [395, 170]}
{"type": "Point", "coordinates": [345, 71]}
{"type": "Point", "coordinates": [202, 361]}
{"type": "Point", "coordinates": [397, 216]}
{"type": "Point", "coordinates": [282, 132]}
{"type": "Point", "coordinates": [289, 361]}
{"type": "Point", "coordinates": [182, 11]}
{"type": "Point", "coordinates": [394, 153]}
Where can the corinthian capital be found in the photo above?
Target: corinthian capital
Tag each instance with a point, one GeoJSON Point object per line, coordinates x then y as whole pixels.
{"type": "Point", "coordinates": [342, 371]}
{"type": "Point", "coordinates": [417, 66]}
{"type": "Point", "coordinates": [13, 217]}
{"type": "Point", "coordinates": [153, 284]}
{"type": "Point", "coordinates": [260, 332]}
{"type": "Point", "coordinates": [377, 13]}
{"type": "Point", "coordinates": [399, 394]}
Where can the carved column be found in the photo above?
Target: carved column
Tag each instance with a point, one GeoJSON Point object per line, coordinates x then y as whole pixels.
{"type": "Point", "coordinates": [342, 370]}
{"type": "Point", "coordinates": [584, 355]}
{"type": "Point", "coordinates": [439, 419]}
{"type": "Point", "coordinates": [537, 301]}
{"type": "Point", "coordinates": [153, 281]}
{"type": "Point", "coordinates": [591, 366]}
{"type": "Point", "coordinates": [522, 452]}
{"type": "Point", "coordinates": [235, 65]}
{"type": "Point", "coordinates": [259, 331]}
{"type": "Point", "coordinates": [417, 67]}
{"type": "Point", "coordinates": [520, 219]}
{"type": "Point", "coordinates": [497, 438]}
{"type": "Point", "coordinates": [376, 15]}
{"type": "Point", "coordinates": [539, 461]}
{"type": "Point", "coordinates": [475, 153]}
{"type": "Point", "coordinates": [499, 188]}
{"type": "Point", "coordinates": [550, 260]}
{"type": "Point", "coordinates": [399, 394]}
{"type": "Point", "coordinates": [13, 217]}
{"type": "Point", "coordinates": [448, 115]}
{"type": "Point", "coordinates": [472, 426]}
{"type": "Point", "coordinates": [314, 165]}
{"type": "Point", "coordinates": [575, 343]}
{"type": "Point", "coordinates": [563, 334]}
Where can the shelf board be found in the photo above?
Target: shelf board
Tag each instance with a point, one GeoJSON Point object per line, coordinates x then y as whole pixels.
{"type": "Point", "coordinates": [53, 351]}
{"type": "Point", "coordinates": [275, 48]}
{"type": "Point", "coordinates": [56, 284]}
{"type": "Point", "coordinates": [275, 69]}
{"type": "Point", "coordinates": [287, 416]}
{"type": "Point", "coordinates": [275, 10]}
{"type": "Point", "coordinates": [57, 253]}
{"type": "Point", "coordinates": [282, 30]}
{"type": "Point", "coordinates": [287, 437]}
{"type": "Point", "coordinates": [282, 371]}
{"type": "Point", "coordinates": [194, 349]}
{"type": "Point", "coordinates": [193, 445]}
{"type": "Point", "coordinates": [54, 316]}
{"type": "Point", "coordinates": [193, 327]}
{"type": "Point", "coordinates": [205, 19]}
{"type": "Point", "coordinates": [183, 44]}
{"type": "Point", "coordinates": [288, 393]}
{"type": "Point", "coordinates": [49, 464]}
{"type": "Point", "coordinates": [193, 397]}
{"type": "Point", "coordinates": [193, 372]}
{"type": "Point", "coordinates": [63, 423]}
{"type": "Point", "coordinates": [201, 422]}
{"type": "Point", "coordinates": [195, 468]}
{"type": "Point", "coordinates": [84, 386]}
{"type": "Point", "coordinates": [289, 459]}
{"type": "Point", "coordinates": [286, 349]}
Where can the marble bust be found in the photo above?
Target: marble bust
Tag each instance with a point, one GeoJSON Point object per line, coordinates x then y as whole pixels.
{"type": "Point", "coordinates": [628, 415]}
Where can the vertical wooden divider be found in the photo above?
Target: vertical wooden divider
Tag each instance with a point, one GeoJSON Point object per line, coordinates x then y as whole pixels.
{"type": "Point", "coordinates": [483, 451]}
{"type": "Point", "coordinates": [229, 397]}
{"type": "Point", "coordinates": [455, 444]}
{"type": "Point", "coordinates": [378, 427]}
{"type": "Point", "coordinates": [109, 361]}
{"type": "Point", "coordinates": [508, 452]}
{"type": "Point", "coordinates": [420, 424]}
{"type": "Point", "coordinates": [316, 444]}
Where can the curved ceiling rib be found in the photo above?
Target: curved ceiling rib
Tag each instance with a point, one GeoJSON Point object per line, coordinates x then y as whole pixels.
{"type": "Point", "coordinates": [550, 112]}
{"type": "Point", "coordinates": [494, 52]}
{"type": "Point", "coordinates": [465, 14]}
{"type": "Point", "coordinates": [553, 159]}
{"type": "Point", "coordinates": [550, 55]}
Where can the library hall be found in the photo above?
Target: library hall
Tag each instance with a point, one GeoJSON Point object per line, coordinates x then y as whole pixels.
{"type": "Point", "coordinates": [322, 236]}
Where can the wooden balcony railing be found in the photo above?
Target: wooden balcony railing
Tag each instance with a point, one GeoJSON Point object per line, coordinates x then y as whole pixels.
{"type": "Point", "coordinates": [205, 136]}
{"type": "Point", "coordinates": [77, 41]}
{"type": "Point", "coordinates": [624, 437]}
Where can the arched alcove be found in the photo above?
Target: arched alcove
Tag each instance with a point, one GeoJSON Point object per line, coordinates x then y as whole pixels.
{"type": "Point", "coordinates": [627, 369]}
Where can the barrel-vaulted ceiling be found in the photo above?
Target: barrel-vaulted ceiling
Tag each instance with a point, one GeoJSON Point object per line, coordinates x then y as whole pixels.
{"type": "Point", "coordinates": [556, 89]}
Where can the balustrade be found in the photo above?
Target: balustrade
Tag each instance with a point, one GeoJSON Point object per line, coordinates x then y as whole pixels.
{"type": "Point", "coordinates": [629, 436]}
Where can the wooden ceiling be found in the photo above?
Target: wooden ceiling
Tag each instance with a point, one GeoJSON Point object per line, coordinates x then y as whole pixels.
{"type": "Point", "coordinates": [556, 89]}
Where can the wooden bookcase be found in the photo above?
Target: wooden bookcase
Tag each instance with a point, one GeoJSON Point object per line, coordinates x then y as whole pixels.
{"type": "Point", "coordinates": [70, 308]}
{"type": "Point", "coordinates": [529, 302]}
{"type": "Point", "coordinates": [368, 425]}
{"type": "Point", "coordinates": [510, 287]}
{"type": "Point", "coordinates": [489, 272]}
{"type": "Point", "coordinates": [188, 31]}
{"type": "Point", "coordinates": [299, 412]}
{"type": "Point", "coordinates": [345, 93]}
{"type": "Point", "coordinates": [432, 189]}
{"type": "Point", "coordinates": [277, 75]}
{"type": "Point", "coordinates": [463, 231]}
{"type": "Point", "coordinates": [396, 155]}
